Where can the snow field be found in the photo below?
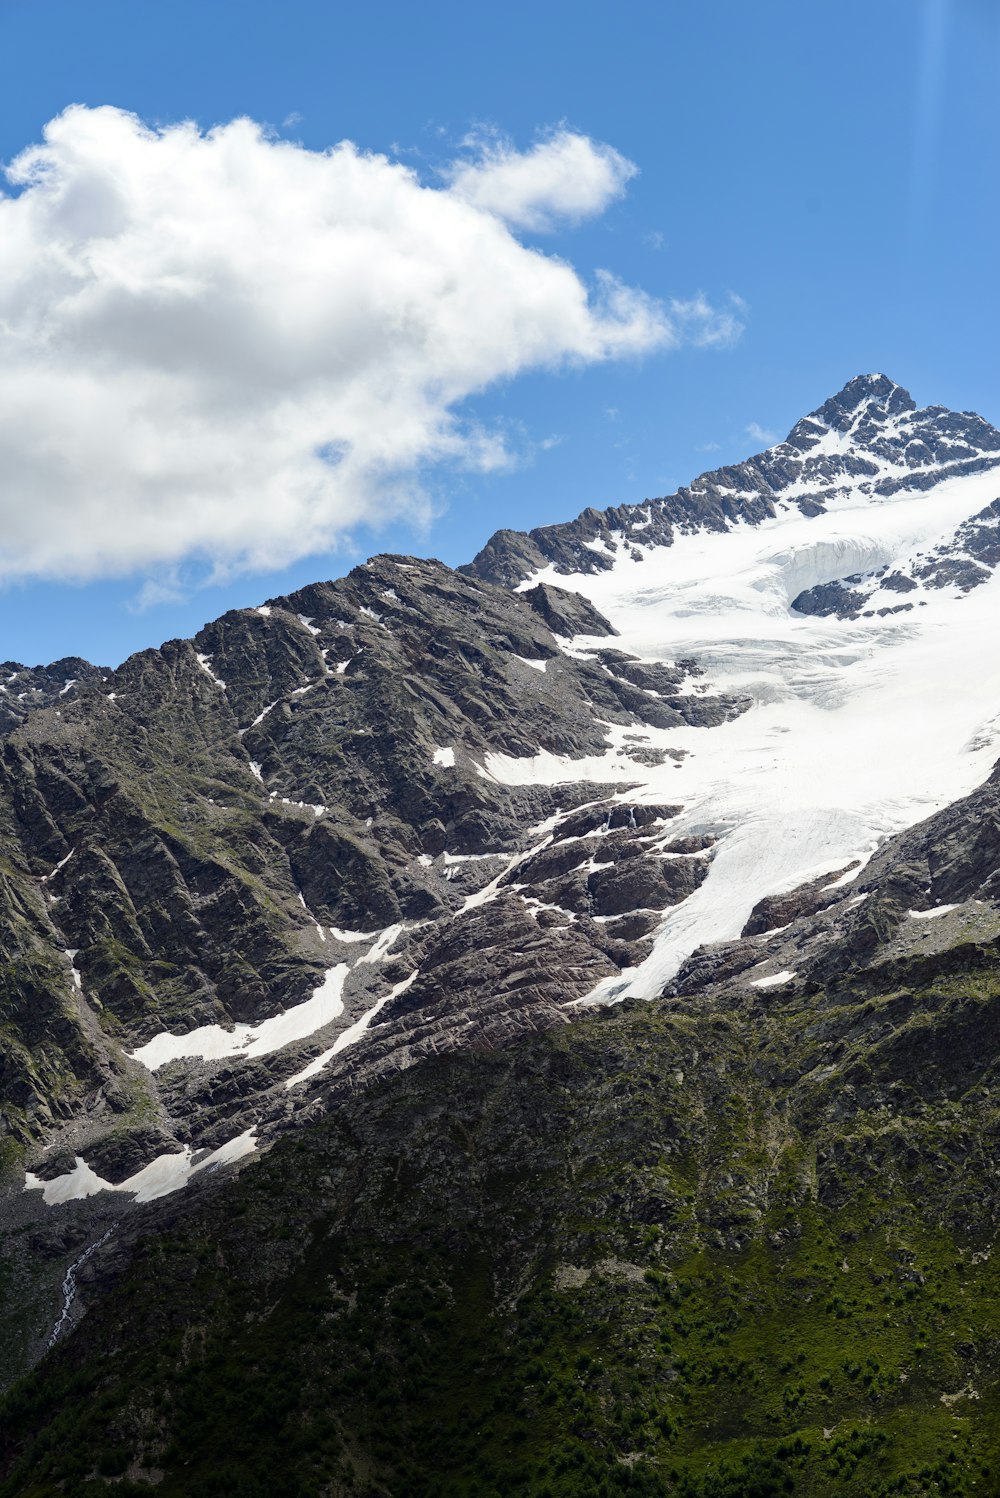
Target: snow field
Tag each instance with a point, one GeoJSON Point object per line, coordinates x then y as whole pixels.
{"type": "Point", "coordinates": [856, 730]}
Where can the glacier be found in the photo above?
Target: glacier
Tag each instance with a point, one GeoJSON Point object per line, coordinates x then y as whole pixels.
{"type": "Point", "coordinates": [857, 728]}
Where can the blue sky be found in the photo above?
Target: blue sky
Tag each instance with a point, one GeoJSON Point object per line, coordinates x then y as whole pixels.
{"type": "Point", "coordinates": [833, 168]}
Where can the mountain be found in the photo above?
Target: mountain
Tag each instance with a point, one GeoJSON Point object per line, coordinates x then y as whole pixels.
{"type": "Point", "coordinates": [603, 934]}
{"type": "Point", "coordinates": [869, 443]}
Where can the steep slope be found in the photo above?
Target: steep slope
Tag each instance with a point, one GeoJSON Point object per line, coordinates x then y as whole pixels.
{"type": "Point", "coordinates": [869, 440]}
{"type": "Point", "coordinates": [732, 1247]}
{"type": "Point", "coordinates": [233, 852]}
{"type": "Point", "coordinates": [666, 751]}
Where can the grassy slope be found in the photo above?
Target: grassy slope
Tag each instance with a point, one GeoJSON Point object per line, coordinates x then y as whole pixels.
{"type": "Point", "coordinates": [620, 1258]}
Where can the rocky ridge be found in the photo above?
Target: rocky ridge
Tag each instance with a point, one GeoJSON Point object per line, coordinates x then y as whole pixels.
{"type": "Point", "coordinates": [870, 438]}
{"type": "Point", "coordinates": [25, 688]}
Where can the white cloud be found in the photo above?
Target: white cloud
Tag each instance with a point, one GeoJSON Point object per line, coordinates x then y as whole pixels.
{"type": "Point", "coordinates": [564, 177]}
{"type": "Point", "coordinates": [761, 434]}
{"type": "Point", "coordinates": [698, 322]}
{"type": "Point", "coordinates": [225, 347]}
{"type": "Point", "coordinates": [157, 591]}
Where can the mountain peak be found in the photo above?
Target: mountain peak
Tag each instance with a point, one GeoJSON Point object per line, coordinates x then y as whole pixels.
{"type": "Point", "coordinates": [869, 440]}
{"type": "Point", "coordinates": [874, 394]}
{"type": "Point", "coordinates": [867, 387]}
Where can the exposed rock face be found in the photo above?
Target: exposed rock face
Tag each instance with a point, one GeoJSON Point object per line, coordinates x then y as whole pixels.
{"type": "Point", "coordinates": [777, 911]}
{"type": "Point", "coordinates": [24, 688]}
{"type": "Point", "coordinates": [188, 836]}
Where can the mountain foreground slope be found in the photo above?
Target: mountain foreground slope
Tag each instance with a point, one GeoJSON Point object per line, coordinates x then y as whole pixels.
{"type": "Point", "coordinates": [337, 885]}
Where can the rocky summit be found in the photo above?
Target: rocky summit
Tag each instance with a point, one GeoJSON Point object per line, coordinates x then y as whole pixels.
{"type": "Point", "coordinates": [529, 1028]}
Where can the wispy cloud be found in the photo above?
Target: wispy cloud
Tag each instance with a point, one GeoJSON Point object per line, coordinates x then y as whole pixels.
{"type": "Point", "coordinates": [698, 322]}
{"type": "Point", "coordinates": [156, 592]}
{"type": "Point", "coordinates": [760, 434]}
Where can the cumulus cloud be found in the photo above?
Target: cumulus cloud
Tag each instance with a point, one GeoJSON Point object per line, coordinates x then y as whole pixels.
{"type": "Point", "coordinates": [565, 177]}
{"type": "Point", "coordinates": [224, 346]}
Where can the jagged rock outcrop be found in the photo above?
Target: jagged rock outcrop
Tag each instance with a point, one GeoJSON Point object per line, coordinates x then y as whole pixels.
{"type": "Point", "coordinates": [25, 688]}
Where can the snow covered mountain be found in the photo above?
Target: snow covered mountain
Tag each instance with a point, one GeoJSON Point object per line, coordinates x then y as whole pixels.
{"type": "Point", "coordinates": [662, 749]}
{"type": "Point", "coordinates": [845, 583]}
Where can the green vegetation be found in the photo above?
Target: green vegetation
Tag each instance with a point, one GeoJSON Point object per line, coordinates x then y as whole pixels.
{"type": "Point", "coordinates": [616, 1259]}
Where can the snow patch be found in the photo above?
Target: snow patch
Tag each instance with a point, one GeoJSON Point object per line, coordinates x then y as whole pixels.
{"type": "Point", "coordinates": [351, 1035]}
{"type": "Point", "coordinates": [261, 716]}
{"type": "Point", "coordinates": [204, 662]}
{"type": "Point", "coordinates": [212, 1042]}
{"type": "Point", "coordinates": [445, 757]}
{"type": "Point", "coordinates": [160, 1177]}
{"type": "Point", "coordinates": [71, 954]}
{"type": "Point", "coordinates": [381, 947]}
{"type": "Point", "coordinates": [774, 981]}
{"type": "Point", "coordinates": [60, 865]}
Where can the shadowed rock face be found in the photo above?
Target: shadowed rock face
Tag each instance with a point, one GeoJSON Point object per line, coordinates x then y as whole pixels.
{"type": "Point", "coordinates": [186, 838]}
